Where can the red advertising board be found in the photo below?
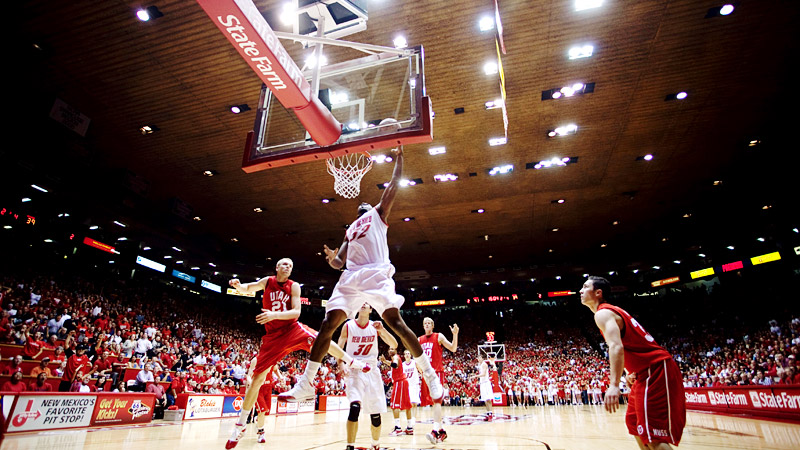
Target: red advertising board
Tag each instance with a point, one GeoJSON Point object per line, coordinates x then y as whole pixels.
{"type": "Point", "coordinates": [116, 409]}
{"type": "Point", "coordinates": [777, 402]}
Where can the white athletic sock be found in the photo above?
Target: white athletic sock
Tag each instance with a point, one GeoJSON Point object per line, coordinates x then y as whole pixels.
{"type": "Point", "coordinates": [423, 363]}
{"type": "Point", "coordinates": [243, 417]}
{"type": "Point", "coordinates": [411, 423]}
{"type": "Point", "coordinates": [374, 443]}
{"type": "Point", "coordinates": [437, 426]}
{"type": "Point", "coordinates": [397, 423]}
{"type": "Point", "coordinates": [311, 370]}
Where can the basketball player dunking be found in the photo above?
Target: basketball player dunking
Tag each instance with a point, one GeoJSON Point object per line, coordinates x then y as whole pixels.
{"type": "Point", "coordinates": [364, 390]}
{"type": "Point", "coordinates": [432, 344]}
{"type": "Point", "coordinates": [367, 279]}
{"type": "Point", "coordinates": [656, 411]}
{"type": "Point", "coordinates": [284, 334]}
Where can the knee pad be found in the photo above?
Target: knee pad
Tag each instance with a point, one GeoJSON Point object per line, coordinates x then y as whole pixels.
{"type": "Point", "coordinates": [355, 409]}
{"type": "Point", "coordinates": [375, 419]}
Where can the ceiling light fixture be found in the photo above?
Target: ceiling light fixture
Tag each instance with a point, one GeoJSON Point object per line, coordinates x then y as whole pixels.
{"type": "Point", "coordinates": [116, 222]}
{"type": "Point", "coordinates": [676, 96]}
{"type": "Point", "coordinates": [258, 209]}
{"type": "Point", "coordinates": [494, 142]}
{"type": "Point", "coordinates": [380, 159]}
{"type": "Point", "coordinates": [580, 51]}
{"type": "Point", "coordinates": [565, 130]}
{"type": "Point", "coordinates": [486, 23]}
{"type": "Point", "coordinates": [151, 12]}
{"type": "Point", "coordinates": [39, 188]}
{"type": "Point", "coordinates": [407, 219]}
{"type": "Point", "coordinates": [494, 104]}
{"type": "Point", "coordinates": [436, 150]}
{"type": "Point", "coordinates": [148, 129]}
{"type": "Point", "coordinates": [568, 91]}
{"type": "Point", "coordinates": [581, 5]}
{"type": "Point", "coordinates": [501, 169]}
{"type": "Point", "coordinates": [490, 68]}
{"type": "Point", "coordinates": [442, 178]}
{"type": "Point", "coordinates": [400, 42]}
{"type": "Point", "coordinates": [478, 211]}
{"type": "Point", "coordinates": [236, 109]}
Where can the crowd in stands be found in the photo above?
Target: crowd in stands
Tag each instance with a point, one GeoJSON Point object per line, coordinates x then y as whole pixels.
{"type": "Point", "coordinates": [553, 354]}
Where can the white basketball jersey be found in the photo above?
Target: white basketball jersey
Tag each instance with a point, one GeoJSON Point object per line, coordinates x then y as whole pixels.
{"type": "Point", "coordinates": [366, 241]}
{"type": "Point", "coordinates": [410, 370]}
{"type": "Point", "coordinates": [362, 343]}
{"type": "Point", "coordinates": [485, 377]}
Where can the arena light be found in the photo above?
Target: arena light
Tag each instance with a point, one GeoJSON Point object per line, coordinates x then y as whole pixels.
{"type": "Point", "coordinates": [167, 256]}
{"type": "Point", "coordinates": [400, 42]}
{"type": "Point", "coordinates": [717, 11]}
{"type": "Point", "coordinates": [726, 9]}
{"type": "Point", "coordinates": [123, 238]}
{"type": "Point", "coordinates": [571, 90]}
{"type": "Point", "coordinates": [311, 61]}
{"type": "Point", "coordinates": [176, 249]}
{"type": "Point", "coordinates": [565, 130]}
{"type": "Point", "coordinates": [436, 150]}
{"type": "Point", "coordinates": [93, 227]}
{"type": "Point", "coordinates": [25, 199]}
{"type": "Point", "coordinates": [580, 51]}
{"type": "Point", "coordinates": [676, 96]}
{"type": "Point", "coordinates": [116, 222]}
{"type": "Point", "coordinates": [445, 177]}
{"type": "Point", "coordinates": [494, 142]}
{"type": "Point", "coordinates": [490, 68]}
{"type": "Point", "coordinates": [552, 162]}
{"type": "Point", "coordinates": [146, 14]}
{"type": "Point", "coordinates": [494, 104]}
{"type": "Point", "coordinates": [486, 23]}
{"type": "Point", "coordinates": [288, 14]}
{"type": "Point", "coordinates": [148, 129]}
{"type": "Point", "coordinates": [501, 169]}
{"type": "Point", "coordinates": [39, 188]}
{"type": "Point", "coordinates": [478, 211]}
{"type": "Point", "coordinates": [380, 159]}
{"type": "Point", "coordinates": [236, 109]}
{"type": "Point", "coordinates": [581, 5]}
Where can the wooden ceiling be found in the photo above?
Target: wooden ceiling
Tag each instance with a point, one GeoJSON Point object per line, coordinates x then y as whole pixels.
{"type": "Point", "coordinates": [179, 73]}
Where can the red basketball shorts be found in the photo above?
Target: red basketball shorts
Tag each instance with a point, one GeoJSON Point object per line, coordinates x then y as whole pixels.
{"type": "Point", "coordinates": [264, 399]}
{"type": "Point", "coordinates": [281, 342]}
{"type": "Point", "coordinates": [657, 404]}
{"type": "Point", "coordinates": [400, 398]}
{"type": "Point", "coordinates": [425, 394]}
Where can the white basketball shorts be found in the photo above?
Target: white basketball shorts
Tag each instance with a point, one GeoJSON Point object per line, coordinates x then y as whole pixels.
{"type": "Point", "coordinates": [373, 285]}
{"type": "Point", "coordinates": [366, 388]}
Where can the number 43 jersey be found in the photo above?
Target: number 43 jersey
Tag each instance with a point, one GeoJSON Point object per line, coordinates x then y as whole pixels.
{"type": "Point", "coordinates": [366, 241]}
{"type": "Point", "coordinates": [362, 342]}
{"type": "Point", "coordinates": [277, 297]}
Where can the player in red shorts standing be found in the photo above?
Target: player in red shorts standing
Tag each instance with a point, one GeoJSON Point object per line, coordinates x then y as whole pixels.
{"type": "Point", "coordinates": [264, 399]}
{"type": "Point", "coordinates": [284, 334]}
{"type": "Point", "coordinates": [400, 401]}
{"type": "Point", "coordinates": [432, 344]}
{"type": "Point", "coordinates": [657, 406]}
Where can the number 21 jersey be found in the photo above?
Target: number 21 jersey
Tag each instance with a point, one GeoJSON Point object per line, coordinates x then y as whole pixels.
{"type": "Point", "coordinates": [277, 297]}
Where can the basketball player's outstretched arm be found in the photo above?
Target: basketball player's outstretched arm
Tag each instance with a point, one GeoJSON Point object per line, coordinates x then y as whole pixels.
{"type": "Point", "coordinates": [248, 287]}
{"type": "Point", "coordinates": [452, 346]}
{"type": "Point", "coordinates": [387, 198]}
{"type": "Point", "coordinates": [337, 257]}
{"type": "Point", "coordinates": [607, 322]}
{"type": "Point", "coordinates": [385, 335]}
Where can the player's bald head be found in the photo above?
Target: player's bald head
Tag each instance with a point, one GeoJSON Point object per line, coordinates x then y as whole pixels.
{"type": "Point", "coordinates": [283, 260]}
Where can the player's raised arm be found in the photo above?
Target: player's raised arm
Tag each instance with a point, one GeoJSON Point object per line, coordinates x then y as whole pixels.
{"type": "Point", "coordinates": [387, 199]}
{"type": "Point", "coordinates": [606, 321]}
{"type": "Point", "coordinates": [452, 346]}
{"type": "Point", "coordinates": [385, 335]}
{"type": "Point", "coordinates": [337, 257]}
{"type": "Point", "coordinates": [246, 288]}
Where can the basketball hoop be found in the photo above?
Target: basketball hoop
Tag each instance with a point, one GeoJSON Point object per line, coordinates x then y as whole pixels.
{"type": "Point", "coordinates": [347, 171]}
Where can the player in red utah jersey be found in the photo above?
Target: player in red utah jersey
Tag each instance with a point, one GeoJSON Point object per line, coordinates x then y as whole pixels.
{"type": "Point", "coordinates": [284, 334]}
{"type": "Point", "coordinates": [432, 344]}
{"type": "Point", "coordinates": [657, 405]}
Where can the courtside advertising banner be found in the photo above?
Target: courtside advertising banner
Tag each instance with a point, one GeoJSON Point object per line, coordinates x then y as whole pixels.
{"type": "Point", "coordinates": [44, 412]}
{"type": "Point", "coordinates": [232, 406]}
{"type": "Point", "coordinates": [123, 409]}
{"type": "Point", "coordinates": [203, 407]}
{"type": "Point", "coordinates": [777, 401]}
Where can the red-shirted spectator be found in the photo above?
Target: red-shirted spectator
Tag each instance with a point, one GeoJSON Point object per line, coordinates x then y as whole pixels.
{"type": "Point", "coordinates": [40, 384]}
{"type": "Point", "coordinates": [13, 366]}
{"type": "Point", "coordinates": [33, 344]}
{"type": "Point", "coordinates": [15, 384]}
{"type": "Point", "coordinates": [74, 364]}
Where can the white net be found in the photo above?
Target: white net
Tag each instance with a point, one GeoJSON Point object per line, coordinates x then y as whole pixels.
{"type": "Point", "coordinates": [347, 171]}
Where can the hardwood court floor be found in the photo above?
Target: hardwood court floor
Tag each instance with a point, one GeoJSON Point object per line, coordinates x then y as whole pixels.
{"type": "Point", "coordinates": [553, 428]}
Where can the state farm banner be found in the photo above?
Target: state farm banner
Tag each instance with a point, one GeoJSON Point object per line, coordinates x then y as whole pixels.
{"type": "Point", "coordinates": [203, 407]}
{"type": "Point", "coordinates": [45, 412]}
{"type": "Point", "coordinates": [782, 402]}
{"type": "Point", "coordinates": [118, 409]}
